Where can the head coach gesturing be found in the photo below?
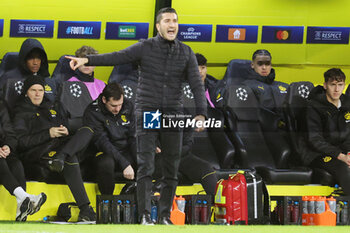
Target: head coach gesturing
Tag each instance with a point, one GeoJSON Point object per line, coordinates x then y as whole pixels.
{"type": "Point", "coordinates": [165, 63]}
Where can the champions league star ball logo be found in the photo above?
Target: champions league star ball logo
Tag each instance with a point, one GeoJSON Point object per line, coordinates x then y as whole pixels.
{"type": "Point", "coordinates": [304, 91]}
{"type": "Point", "coordinates": [128, 93]}
{"type": "Point", "coordinates": [242, 94]}
{"type": "Point", "coordinates": [19, 87]}
{"type": "Point", "coordinates": [75, 90]}
{"type": "Point", "coordinates": [151, 120]}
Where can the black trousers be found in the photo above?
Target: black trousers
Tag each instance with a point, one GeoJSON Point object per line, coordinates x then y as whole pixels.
{"type": "Point", "coordinates": [199, 171]}
{"type": "Point", "coordinates": [12, 173]}
{"type": "Point", "coordinates": [71, 172]}
{"type": "Point", "coordinates": [106, 167]}
{"type": "Point", "coordinates": [171, 144]}
{"type": "Point", "coordinates": [337, 168]}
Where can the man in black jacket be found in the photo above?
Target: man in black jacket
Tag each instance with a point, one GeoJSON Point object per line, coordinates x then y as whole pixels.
{"type": "Point", "coordinates": [32, 60]}
{"type": "Point", "coordinates": [328, 128]}
{"type": "Point", "coordinates": [12, 172]}
{"type": "Point", "coordinates": [165, 63]}
{"type": "Point", "coordinates": [112, 119]}
{"type": "Point", "coordinates": [43, 138]}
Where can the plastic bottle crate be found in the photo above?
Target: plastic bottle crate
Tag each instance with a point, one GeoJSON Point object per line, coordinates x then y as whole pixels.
{"type": "Point", "coordinates": [116, 209]}
{"type": "Point", "coordinates": [283, 213]}
{"type": "Point", "coordinates": [194, 209]}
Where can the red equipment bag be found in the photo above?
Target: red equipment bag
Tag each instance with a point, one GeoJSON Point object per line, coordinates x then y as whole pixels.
{"type": "Point", "coordinates": [242, 199]}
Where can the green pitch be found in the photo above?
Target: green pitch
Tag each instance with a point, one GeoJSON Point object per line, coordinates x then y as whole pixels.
{"type": "Point", "coordinates": [12, 227]}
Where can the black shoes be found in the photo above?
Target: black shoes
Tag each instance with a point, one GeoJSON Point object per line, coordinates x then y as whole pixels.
{"type": "Point", "coordinates": [146, 220]}
{"type": "Point", "coordinates": [165, 221]}
{"type": "Point", "coordinates": [87, 215]}
{"type": "Point", "coordinates": [56, 164]}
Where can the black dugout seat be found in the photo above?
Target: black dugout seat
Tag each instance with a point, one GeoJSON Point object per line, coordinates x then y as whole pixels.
{"type": "Point", "coordinates": [123, 72]}
{"type": "Point", "coordinates": [258, 145]}
{"type": "Point", "coordinates": [295, 109]}
{"type": "Point", "coordinates": [211, 145]}
{"type": "Point", "coordinates": [236, 72]}
{"type": "Point", "coordinates": [74, 97]}
{"type": "Point", "coordinates": [9, 62]}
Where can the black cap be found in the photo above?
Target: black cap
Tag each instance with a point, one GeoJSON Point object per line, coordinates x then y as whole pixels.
{"type": "Point", "coordinates": [32, 80]}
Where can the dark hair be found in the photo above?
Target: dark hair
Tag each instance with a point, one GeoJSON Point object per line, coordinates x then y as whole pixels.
{"type": "Point", "coordinates": [85, 50]}
{"type": "Point", "coordinates": [162, 11]}
{"type": "Point", "coordinates": [201, 60]}
{"type": "Point", "coordinates": [261, 52]}
{"type": "Point", "coordinates": [34, 53]}
{"type": "Point", "coordinates": [334, 74]}
{"type": "Point", "coordinates": [113, 90]}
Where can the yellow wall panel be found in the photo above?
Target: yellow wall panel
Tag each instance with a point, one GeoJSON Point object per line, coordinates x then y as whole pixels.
{"type": "Point", "coordinates": [78, 10]}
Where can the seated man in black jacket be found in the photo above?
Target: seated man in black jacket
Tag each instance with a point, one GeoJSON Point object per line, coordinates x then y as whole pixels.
{"type": "Point", "coordinates": [12, 172]}
{"type": "Point", "coordinates": [261, 79]}
{"type": "Point", "coordinates": [43, 138]}
{"type": "Point", "coordinates": [328, 128]}
{"type": "Point", "coordinates": [112, 119]}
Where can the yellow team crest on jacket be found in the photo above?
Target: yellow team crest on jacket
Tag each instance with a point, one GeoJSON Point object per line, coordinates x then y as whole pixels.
{"type": "Point", "coordinates": [282, 89]}
{"type": "Point", "coordinates": [52, 153]}
{"type": "Point", "coordinates": [123, 117]}
{"type": "Point", "coordinates": [347, 116]}
{"type": "Point", "coordinates": [48, 88]}
{"type": "Point", "coordinates": [53, 113]}
{"type": "Point", "coordinates": [327, 159]}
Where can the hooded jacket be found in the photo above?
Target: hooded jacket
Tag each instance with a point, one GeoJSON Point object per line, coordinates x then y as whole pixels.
{"type": "Point", "coordinates": [269, 93]}
{"type": "Point", "coordinates": [21, 71]}
{"type": "Point", "coordinates": [328, 127]}
{"type": "Point", "coordinates": [113, 133]}
{"type": "Point", "coordinates": [164, 66]}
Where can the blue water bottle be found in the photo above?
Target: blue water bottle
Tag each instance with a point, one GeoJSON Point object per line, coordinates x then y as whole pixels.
{"type": "Point", "coordinates": [154, 211]}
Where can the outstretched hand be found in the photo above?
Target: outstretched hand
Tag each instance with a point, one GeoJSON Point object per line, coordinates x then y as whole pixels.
{"type": "Point", "coordinates": [76, 62]}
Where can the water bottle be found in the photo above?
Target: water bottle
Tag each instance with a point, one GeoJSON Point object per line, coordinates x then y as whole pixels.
{"type": "Point", "coordinates": [337, 211]}
{"type": "Point", "coordinates": [311, 205]}
{"type": "Point", "coordinates": [204, 212]}
{"type": "Point", "coordinates": [154, 211]}
{"type": "Point", "coordinates": [295, 212]}
{"type": "Point", "coordinates": [180, 201]}
{"type": "Point", "coordinates": [105, 212]}
{"type": "Point", "coordinates": [288, 212]}
{"type": "Point", "coordinates": [116, 205]}
{"type": "Point", "coordinates": [345, 213]}
{"type": "Point", "coordinates": [332, 204]}
{"type": "Point", "coordinates": [127, 212]}
{"type": "Point", "coordinates": [320, 205]}
{"type": "Point", "coordinates": [197, 211]}
{"type": "Point", "coordinates": [305, 200]}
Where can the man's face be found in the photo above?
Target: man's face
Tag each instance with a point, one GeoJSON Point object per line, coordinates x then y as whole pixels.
{"type": "Point", "coordinates": [36, 94]}
{"type": "Point", "coordinates": [334, 89]}
{"type": "Point", "coordinates": [113, 105]}
{"type": "Point", "coordinates": [33, 62]}
{"type": "Point", "coordinates": [202, 71]}
{"type": "Point", "coordinates": [262, 65]}
{"type": "Point", "coordinates": [86, 69]}
{"type": "Point", "coordinates": [168, 26]}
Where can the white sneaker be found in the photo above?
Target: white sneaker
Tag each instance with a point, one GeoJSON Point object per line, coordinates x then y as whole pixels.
{"type": "Point", "coordinates": [37, 201]}
{"type": "Point", "coordinates": [24, 208]}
